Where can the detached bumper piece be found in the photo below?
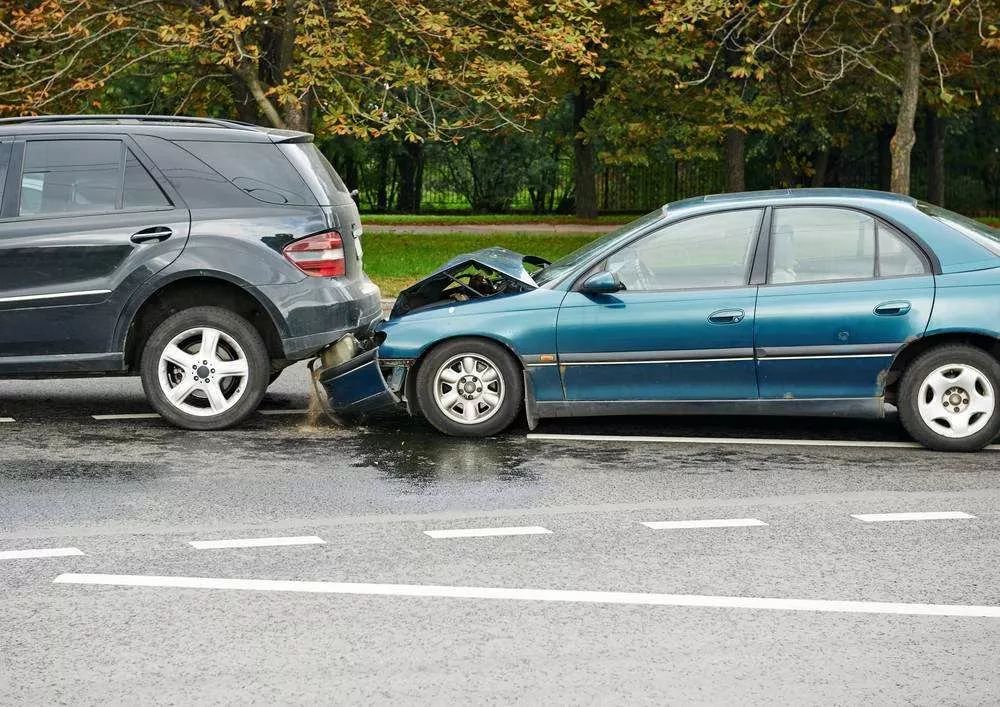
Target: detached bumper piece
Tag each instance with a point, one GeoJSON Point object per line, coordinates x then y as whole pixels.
{"type": "Point", "coordinates": [358, 386]}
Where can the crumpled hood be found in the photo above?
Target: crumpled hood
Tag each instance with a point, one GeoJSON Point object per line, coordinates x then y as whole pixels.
{"type": "Point", "coordinates": [470, 275]}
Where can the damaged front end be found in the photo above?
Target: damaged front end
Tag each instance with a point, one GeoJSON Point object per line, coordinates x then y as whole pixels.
{"type": "Point", "coordinates": [359, 380]}
{"type": "Point", "coordinates": [484, 273]}
{"type": "Point", "coordinates": [355, 380]}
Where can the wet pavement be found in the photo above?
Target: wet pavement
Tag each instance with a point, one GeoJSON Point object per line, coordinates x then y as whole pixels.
{"type": "Point", "coordinates": [130, 495]}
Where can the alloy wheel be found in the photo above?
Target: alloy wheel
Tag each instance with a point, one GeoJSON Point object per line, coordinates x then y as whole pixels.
{"type": "Point", "coordinates": [203, 371]}
{"type": "Point", "coordinates": [468, 388]}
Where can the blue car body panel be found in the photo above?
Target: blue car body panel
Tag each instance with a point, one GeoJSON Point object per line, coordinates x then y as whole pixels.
{"type": "Point", "coordinates": [657, 345]}
{"type": "Point", "coordinates": [820, 348]}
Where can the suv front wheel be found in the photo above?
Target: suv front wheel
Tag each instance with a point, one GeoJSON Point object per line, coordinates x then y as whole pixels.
{"type": "Point", "coordinates": [205, 368]}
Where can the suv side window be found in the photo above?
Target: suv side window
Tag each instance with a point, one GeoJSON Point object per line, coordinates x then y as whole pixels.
{"type": "Point", "coordinates": [141, 190]}
{"type": "Point", "coordinates": [820, 244]}
{"type": "Point", "coordinates": [70, 176]}
{"type": "Point", "coordinates": [713, 250]}
{"type": "Point", "coordinates": [257, 168]}
{"type": "Point", "coordinates": [4, 161]}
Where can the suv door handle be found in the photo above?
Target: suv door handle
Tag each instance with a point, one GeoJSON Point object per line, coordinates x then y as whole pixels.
{"type": "Point", "coordinates": [893, 309]}
{"type": "Point", "coordinates": [727, 316]}
{"type": "Point", "coordinates": [154, 233]}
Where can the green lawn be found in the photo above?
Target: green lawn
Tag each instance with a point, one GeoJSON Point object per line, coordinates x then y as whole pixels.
{"type": "Point", "coordinates": [478, 219]}
{"type": "Point", "coordinates": [397, 260]}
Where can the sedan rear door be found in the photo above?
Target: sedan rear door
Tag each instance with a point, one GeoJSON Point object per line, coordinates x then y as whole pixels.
{"type": "Point", "coordinates": [845, 291]}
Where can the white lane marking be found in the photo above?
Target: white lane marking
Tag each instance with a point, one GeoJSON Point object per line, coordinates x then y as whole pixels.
{"type": "Point", "coordinates": [257, 542]}
{"type": "Point", "coordinates": [486, 532]}
{"type": "Point", "coordinates": [44, 552]}
{"type": "Point", "coordinates": [931, 515]}
{"type": "Point", "coordinates": [554, 595]}
{"type": "Point", "coordinates": [128, 416]}
{"type": "Point", "coordinates": [734, 440]}
{"type": "Point", "coordinates": [717, 523]}
{"type": "Point", "coordinates": [283, 412]}
{"type": "Point", "coordinates": [6, 419]}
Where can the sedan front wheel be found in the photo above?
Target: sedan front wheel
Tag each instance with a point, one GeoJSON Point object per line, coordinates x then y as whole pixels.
{"type": "Point", "coordinates": [469, 388]}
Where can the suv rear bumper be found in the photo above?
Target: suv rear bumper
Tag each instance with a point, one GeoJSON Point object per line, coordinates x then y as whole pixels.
{"type": "Point", "coordinates": [319, 311]}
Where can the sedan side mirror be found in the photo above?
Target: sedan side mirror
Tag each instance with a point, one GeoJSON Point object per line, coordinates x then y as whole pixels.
{"type": "Point", "coordinates": [602, 283]}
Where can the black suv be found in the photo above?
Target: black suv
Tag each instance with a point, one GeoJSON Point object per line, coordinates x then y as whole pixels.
{"type": "Point", "coordinates": [203, 255]}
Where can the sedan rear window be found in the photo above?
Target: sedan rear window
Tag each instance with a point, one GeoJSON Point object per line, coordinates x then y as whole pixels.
{"type": "Point", "coordinates": [982, 234]}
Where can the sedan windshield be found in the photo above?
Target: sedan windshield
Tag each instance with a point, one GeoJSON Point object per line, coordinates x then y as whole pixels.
{"type": "Point", "coordinates": [556, 270]}
{"type": "Point", "coordinates": [982, 234]}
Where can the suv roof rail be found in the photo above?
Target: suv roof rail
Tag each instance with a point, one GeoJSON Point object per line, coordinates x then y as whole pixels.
{"type": "Point", "coordinates": [218, 122]}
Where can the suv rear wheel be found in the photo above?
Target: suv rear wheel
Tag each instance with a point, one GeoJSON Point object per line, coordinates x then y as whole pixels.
{"type": "Point", "coordinates": [948, 399]}
{"type": "Point", "coordinates": [205, 368]}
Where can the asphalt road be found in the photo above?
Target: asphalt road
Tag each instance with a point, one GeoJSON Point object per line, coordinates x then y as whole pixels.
{"type": "Point", "coordinates": [370, 608]}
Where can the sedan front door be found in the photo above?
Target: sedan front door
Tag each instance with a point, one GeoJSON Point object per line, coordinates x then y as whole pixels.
{"type": "Point", "coordinates": [682, 329]}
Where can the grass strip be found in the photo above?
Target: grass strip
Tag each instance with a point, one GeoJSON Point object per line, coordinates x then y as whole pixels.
{"type": "Point", "coordinates": [397, 260]}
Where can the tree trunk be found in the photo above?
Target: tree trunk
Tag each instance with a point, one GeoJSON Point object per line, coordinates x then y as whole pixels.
{"type": "Point", "coordinates": [935, 173]}
{"type": "Point", "coordinates": [820, 165]}
{"type": "Point", "coordinates": [299, 115]}
{"type": "Point", "coordinates": [885, 156]}
{"type": "Point", "coordinates": [584, 174]}
{"type": "Point", "coordinates": [905, 136]}
{"type": "Point", "coordinates": [410, 161]}
{"type": "Point", "coordinates": [736, 163]}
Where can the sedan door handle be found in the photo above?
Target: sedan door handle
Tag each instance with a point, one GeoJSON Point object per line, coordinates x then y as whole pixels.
{"type": "Point", "coordinates": [154, 233]}
{"type": "Point", "coordinates": [893, 309]}
{"type": "Point", "coordinates": [727, 316]}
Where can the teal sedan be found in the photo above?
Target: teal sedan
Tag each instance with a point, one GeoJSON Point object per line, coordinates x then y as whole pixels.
{"type": "Point", "coordinates": [820, 302]}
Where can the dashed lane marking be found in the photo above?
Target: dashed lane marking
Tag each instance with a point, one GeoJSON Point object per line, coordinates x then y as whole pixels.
{"type": "Point", "coordinates": [486, 532]}
{"type": "Point", "coordinates": [930, 515]}
{"type": "Point", "coordinates": [40, 553]}
{"type": "Point", "coordinates": [127, 416]}
{"type": "Point", "coordinates": [257, 542]}
{"type": "Point", "coordinates": [734, 440]}
{"type": "Point", "coordinates": [155, 416]}
{"type": "Point", "coordinates": [541, 595]}
{"type": "Point", "coordinates": [717, 523]}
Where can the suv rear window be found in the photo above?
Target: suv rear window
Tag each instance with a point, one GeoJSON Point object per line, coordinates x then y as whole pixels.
{"type": "Point", "coordinates": [979, 232]}
{"type": "Point", "coordinates": [257, 168]}
{"type": "Point", "coordinates": [317, 170]}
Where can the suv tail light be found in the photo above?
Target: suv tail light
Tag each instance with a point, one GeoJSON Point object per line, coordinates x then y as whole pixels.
{"type": "Point", "coordinates": [321, 255]}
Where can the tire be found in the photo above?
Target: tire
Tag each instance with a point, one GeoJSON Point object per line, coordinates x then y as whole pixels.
{"type": "Point", "coordinates": [435, 390]}
{"type": "Point", "coordinates": [173, 362]}
{"type": "Point", "coordinates": [970, 420]}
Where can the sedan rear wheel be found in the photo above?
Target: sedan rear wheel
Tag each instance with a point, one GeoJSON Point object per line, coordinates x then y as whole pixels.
{"type": "Point", "coordinates": [948, 399]}
{"type": "Point", "coordinates": [469, 388]}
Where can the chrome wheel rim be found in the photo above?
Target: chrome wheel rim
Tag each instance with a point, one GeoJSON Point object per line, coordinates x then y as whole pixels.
{"type": "Point", "coordinates": [203, 372]}
{"type": "Point", "coordinates": [956, 400]}
{"type": "Point", "coordinates": [469, 389]}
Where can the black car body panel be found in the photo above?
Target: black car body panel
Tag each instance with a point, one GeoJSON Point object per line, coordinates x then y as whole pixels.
{"type": "Point", "coordinates": [77, 268]}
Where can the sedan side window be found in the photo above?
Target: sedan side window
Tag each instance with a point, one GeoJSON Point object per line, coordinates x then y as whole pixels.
{"type": "Point", "coordinates": [71, 176]}
{"type": "Point", "coordinates": [816, 244]}
{"type": "Point", "coordinates": [701, 252]}
{"type": "Point", "coordinates": [896, 255]}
